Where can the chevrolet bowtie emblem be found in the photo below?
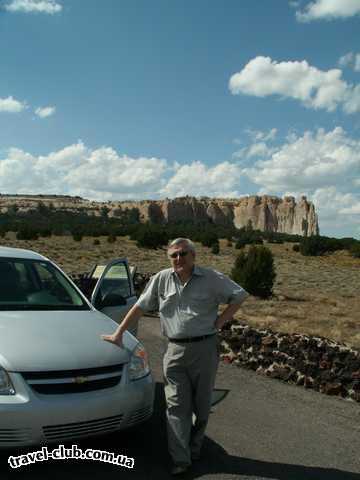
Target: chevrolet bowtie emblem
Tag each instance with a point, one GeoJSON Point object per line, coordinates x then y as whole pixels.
{"type": "Point", "coordinates": [80, 380]}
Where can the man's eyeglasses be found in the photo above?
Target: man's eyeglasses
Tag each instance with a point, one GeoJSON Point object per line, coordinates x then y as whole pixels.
{"type": "Point", "coordinates": [182, 253]}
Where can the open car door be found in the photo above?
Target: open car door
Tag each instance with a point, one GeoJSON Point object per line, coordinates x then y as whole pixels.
{"type": "Point", "coordinates": [114, 293]}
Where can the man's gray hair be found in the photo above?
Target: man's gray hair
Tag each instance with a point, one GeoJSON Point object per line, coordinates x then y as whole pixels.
{"type": "Point", "coordinates": [190, 245]}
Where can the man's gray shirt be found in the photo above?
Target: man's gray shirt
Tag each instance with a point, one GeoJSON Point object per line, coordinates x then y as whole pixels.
{"type": "Point", "coordinates": [189, 310]}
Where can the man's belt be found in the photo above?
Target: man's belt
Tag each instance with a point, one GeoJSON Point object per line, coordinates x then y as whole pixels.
{"type": "Point", "coordinates": [190, 339]}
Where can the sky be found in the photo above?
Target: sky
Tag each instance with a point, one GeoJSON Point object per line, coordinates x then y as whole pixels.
{"type": "Point", "coordinates": [148, 99]}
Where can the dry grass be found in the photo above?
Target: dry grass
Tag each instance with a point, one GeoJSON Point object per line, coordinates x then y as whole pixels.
{"type": "Point", "coordinates": [313, 295]}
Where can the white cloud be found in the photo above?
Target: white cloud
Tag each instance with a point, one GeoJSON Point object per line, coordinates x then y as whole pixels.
{"type": "Point", "coordinates": [261, 135]}
{"type": "Point", "coordinates": [77, 170]}
{"type": "Point", "coordinates": [104, 174]}
{"type": "Point", "coordinates": [34, 6]}
{"type": "Point", "coordinates": [259, 149]}
{"type": "Point", "coordinates": [199, 179]}
{"type": "Point", "coordinates": [44, 112]}
{"type": "Point", "coordinates": [311, 161]}
{"type": "Point", "coordinates": [351, 60]}
{"type": "Point", "coordinates": [346, 60]}
{"type": "Point", "coordinates": [352, 210]}
{"type": "Point", "coordinates": [11, 105]}
{"type": "Point", "coordinates": [338, 212]}
{"type": "Point", "coordinates": [328, 10]}
{"type": "Point", "coordinates": [314, 88]}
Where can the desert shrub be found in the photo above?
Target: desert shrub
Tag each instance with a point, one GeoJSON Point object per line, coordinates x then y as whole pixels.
{"type": "Point", "coordinates": [77, 236]}
{"type": "Point", "coordinates": [96, 241]}
{"type": "Point", "coordinates": [27, 233]}
{"type": "Point", "coordinates": [104, 211]}
{"type": "Point", "coordinates": [215, 248]}
{"type": "Point", "coordinates": [45, 232]}
{"type": "Point", "coordinates": [318, 245]}
{"type": "Point", "coordinates": [296, 247]}
{"type": "Point", "coordinates": [151, 236]}
{"type": "Point", "coordinates": [248, 236]}
{"type": "Point", "coordinates": [273, 238]}
{"type": "Point", "coordinates": [209, 238]}
{"type": "Point", "coordinates": [111, 238]}
{"type": "Point", "coordinates": [255, 271]}
{"type": "Point", "coordinates": [355, 250]}
{"type": "Point", "coordinates": [240, 243]}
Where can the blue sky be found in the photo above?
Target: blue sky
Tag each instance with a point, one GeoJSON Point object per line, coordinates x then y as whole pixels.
{"type": "Point", "coordinates": [124, 99]}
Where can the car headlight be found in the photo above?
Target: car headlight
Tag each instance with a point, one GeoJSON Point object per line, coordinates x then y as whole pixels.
{"type": "Point", "coordinates": [6, 386]}
{"type": "Point", "coordinates": [139, 364]}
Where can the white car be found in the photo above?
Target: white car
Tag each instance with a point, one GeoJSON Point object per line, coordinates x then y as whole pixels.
{"type": "Point", "coordinates": [58, 379]}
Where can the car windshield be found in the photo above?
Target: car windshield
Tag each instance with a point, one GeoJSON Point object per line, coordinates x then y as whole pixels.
{"type": "Point", "coordinates": [36, 285]}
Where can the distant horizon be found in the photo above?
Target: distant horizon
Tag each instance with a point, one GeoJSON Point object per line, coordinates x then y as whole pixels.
{"type": "Point", "coordinates": [247, 195]}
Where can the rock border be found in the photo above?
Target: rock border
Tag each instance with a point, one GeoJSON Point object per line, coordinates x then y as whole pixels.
{"type": "Point", "coordinates": [310, 361]}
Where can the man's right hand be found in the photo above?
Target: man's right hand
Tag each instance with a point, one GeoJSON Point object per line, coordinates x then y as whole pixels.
{"type": "Point", "coordinates": [133, 314]}
{"type": "Point", "coordinates": [116, 340]}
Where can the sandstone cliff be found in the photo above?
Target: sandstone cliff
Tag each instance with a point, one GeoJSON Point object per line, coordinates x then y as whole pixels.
{"type": "Point", "coordinates": [266, 213]}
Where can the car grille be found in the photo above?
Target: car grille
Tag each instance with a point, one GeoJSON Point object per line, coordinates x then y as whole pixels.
{"type": "Point", "coordinates": [74, 381]}
{"type": "Point", "coordinates": [82, 429]}
{"type": "Point", "coordinates": [140, 415]}
{"type": "Point", "coordinates": [14, 435]}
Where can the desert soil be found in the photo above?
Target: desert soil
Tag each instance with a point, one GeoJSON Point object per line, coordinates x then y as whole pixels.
{"type": "Point", "coordinates": [312, 295]}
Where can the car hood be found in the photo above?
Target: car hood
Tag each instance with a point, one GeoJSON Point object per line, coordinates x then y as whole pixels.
{"type": "Point", "coordinates": [57, 340]}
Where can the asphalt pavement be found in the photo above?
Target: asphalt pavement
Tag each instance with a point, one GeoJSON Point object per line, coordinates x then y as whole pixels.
{"type": "Point", "coordinates": [263, 429]}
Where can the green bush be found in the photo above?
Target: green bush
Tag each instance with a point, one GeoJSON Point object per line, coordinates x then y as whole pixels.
{"type": "Point", "coordinates": [355, 250]}
{"type": "Point", "coordinates": [273, 238]}
{"type": "Point", "coordinates": [215, 249]}
{"type": "Point", "coordinates": [96, 241]}
{"type": "Point", "coordinates": [296, 247]}
{"type": "Point", "coordinates": [208, 239]}
{"type": "Point", "coordinates": [77, 236]}
{"type": "Point", "coordinates": [111, 238]}
{"type": "Point", "coordinates": [314, 246]}
{"type": "Point", "coordinates": [240, 243]}
{"type": "Point", "coordinates": [247, 236]}
{"type": "Point", "coordinates": [151, 236]}
{"type": "Point", "coordinates": [45, 232]}
{"type": "Point", "coordinates": [255, 271]}
{"type": "Point", "coordinates": [27, 233]}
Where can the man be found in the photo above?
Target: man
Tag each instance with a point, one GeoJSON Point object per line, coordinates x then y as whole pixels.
{"type": "Point", "coordinates": [187, 297]}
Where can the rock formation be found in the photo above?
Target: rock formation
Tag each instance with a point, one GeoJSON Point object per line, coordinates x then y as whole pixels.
{"type": "Point", "coordinates": [266, 213]}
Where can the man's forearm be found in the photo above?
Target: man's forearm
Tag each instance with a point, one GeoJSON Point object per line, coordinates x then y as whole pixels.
{"type": "Point", "coordinates": [135, 313]}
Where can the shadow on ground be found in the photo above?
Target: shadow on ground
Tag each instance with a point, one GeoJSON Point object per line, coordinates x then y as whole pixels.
{"type": "Point", "coordinates": [147, 445]}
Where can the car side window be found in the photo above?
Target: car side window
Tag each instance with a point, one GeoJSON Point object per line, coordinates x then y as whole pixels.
{"type": "Point", "coordinates": [116, 280]}
{"type": "Point", "coordinates": [23, 275]}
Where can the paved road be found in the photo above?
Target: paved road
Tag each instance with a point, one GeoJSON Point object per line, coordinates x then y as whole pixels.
{"type": "Point", "coordinates": [262, 430]}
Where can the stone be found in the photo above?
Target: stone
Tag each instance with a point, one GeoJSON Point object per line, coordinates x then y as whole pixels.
{"type": "Point", "coordinates": [335, 388]}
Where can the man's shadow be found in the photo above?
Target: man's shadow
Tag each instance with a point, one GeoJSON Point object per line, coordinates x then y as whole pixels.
{"type": "Point", "coordinates": [147, 444]}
